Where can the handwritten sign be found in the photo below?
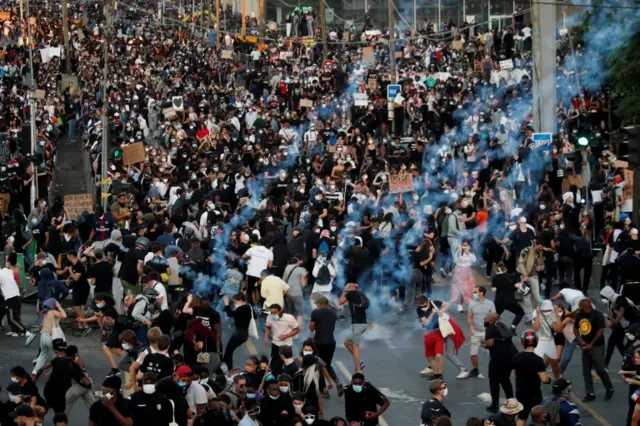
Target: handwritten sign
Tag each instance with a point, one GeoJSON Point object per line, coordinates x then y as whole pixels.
{"type": "Point", "coordinates": [399, 54]}
{"type": "Point", "coordinates": [360, 99]}
{"type": "Point", "coordinates": [169, 113]}
{"type": "Point", "coordinates": [75, 204]}
{"type": "Point", "coordinates": [507, 64]}
{"type": "Point", "coordinates": [133, 153]}
{"type": "Point", "coordinates": [308, 103]}
{"type": "Point", "coordinates": [627, 191]}
{"type": "Point", "coordinates": [286, 55]}
{"type": "Point", "coordinates": [40, 94]}
{"type": "Point", "coordinates": [367, 54]}
{"type": "Point", "coordinates": [227, 54]}
{"type": "Point", "coordinates": [372, 83]}
{"type": "Point", "coordinates": [400, 183]}
{"type": "Point", "coordinates": [456, 45]}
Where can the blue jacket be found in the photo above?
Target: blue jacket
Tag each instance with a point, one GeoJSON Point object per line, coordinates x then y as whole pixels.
{"type": "Point", "coordinates": [569, 413]}
{"type": "Point", "coordinates": [57, 288]}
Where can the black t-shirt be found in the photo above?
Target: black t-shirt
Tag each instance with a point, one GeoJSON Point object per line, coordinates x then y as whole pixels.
{"type": "Point", "coordinates": [171, 390]}
{"type": "Point", "coordinates": [630, 311]}
{"type": "Point", "coordinates": [358, 312]}
{"type": "Point", "coordinates": [209, 318]}
{"type": "Point", "coordinates": [129, 268]}
{"type": "Point", "coordinates": [325, 325]}
{"type": "Point", "coordinates": [63, 371]}
{"type": "Point", "coordinates": [587, 326]}
{"type": "Point", "coordinates": [502, 348]}
{"type": "Point", "coordinates": [433, 406]}
{"type": "Point", "coordinates": [521, 240]}
{"type": "Point", "coordinates": [81, 284]}
{"type": "Point", "coordinates": [103, 273]}
{"type": "Point", "coordinates": [154, 409]}
{"type": "Point", "coordinates": [527, 365]}
{"type": "Point", "coordinates": [357, 404]}
{"type": "Point", "coordinates": [504, 284]}
{"type": "Point", "coordinates": [157, 363]}
{"type": "Point", "coordinates": [102, 416]}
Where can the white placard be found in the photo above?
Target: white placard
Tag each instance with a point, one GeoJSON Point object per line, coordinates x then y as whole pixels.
{"type": "Point", "coordinates": [399, 100]}
{"type": "Point", "coordinates": [507, 64]}
{"type": "Point", "coordinates": [360, 99]}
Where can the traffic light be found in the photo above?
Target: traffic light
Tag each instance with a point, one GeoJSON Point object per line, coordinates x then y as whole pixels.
{"type": "Point", "coordinates": [117, 153]}
{"type": "Point", "coordinates": [583, 141]}
{"type": "Point", "coordinates": [631, 135]}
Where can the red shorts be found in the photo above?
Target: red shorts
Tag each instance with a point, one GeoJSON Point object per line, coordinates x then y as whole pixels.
{"type": "Point", "coordinates": [433, 344]}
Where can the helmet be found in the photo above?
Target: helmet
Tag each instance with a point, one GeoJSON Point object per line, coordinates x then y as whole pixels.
{"type": "Point", "coordinates": [529, 338]}
{"type": "Point", "coordinates": [143, 243]}
{"type": "Point", "coordinates": [524, 289]}
{"type": "Point", "coordinates": [150, 293]}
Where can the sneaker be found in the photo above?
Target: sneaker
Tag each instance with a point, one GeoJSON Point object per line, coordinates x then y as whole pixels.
{"type": "Point", "coordinates": [33, 361]}
{"type": "Point", "coordinates": [608, 395]}
{"type": "Point", "coordinates": [362, 365]}
{"type": "Point", "coordinates": [460, 308]}
{"type": "Point", "coordinates": [29, 338]}
{"type": "Point", "coordinates": [481, 376]}
{"type": "Point", "coordinates": [493, 408]}
{"type": "Point", "coordinates": [224, 367]}
{"type": "Point", "coordinates": [443, 273]}
{"type": "Point", "coordinates": [426, 372]}
{"type": "Point", "coordinates": [590, 397]}
{"type": "Point", "coordinates": [464, 374]}
{"type": "Point", "coordinates": [84, 331]}
{"type": "Point", "coordinates": [114, 372]}
{"type": "Point", "coordinates": [340, 388]}
{"type": "Point", "coordinates": [474, 373]}
{"type": "Point", "coordinates": [12, 334]}
{"type": "Point", "coordinates": [488, 277]}
{"type": "Point", "coordinates": [326, 395]}
{"type": "Point", "coordinates": [432, 377]}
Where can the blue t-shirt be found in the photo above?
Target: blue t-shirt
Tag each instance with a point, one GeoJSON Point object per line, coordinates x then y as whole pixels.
{"type": "Point", "coordinates": [433, 324]}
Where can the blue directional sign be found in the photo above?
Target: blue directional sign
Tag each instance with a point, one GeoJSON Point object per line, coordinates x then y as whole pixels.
{"type": "Point", "coordinates": [393, 90]}
{"type": "Point", "coordinates": [541, 139]}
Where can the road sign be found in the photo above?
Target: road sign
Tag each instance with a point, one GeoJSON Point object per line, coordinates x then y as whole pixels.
{"type": "Point", "coordinates": [393, 90]}
{"type": "Point", "coordinates": [541, 139]}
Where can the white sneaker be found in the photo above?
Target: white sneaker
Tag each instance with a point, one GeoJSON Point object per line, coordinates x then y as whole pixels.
{"type": "Point", "coordinates": [460, 308]}
{"type": "Point", "coordinates": [480, 376]}
{"type": "Point", "coordinates": [13, 334]}
{"type": "Point", "coordinates": [29, 336]}
{"type": "Point", "coordinates": [463, 375]}
{"type": "Point", "coordinates": [426, 372]}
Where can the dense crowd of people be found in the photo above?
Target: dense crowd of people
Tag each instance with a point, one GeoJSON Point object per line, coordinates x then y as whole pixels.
{"type": "Point", "coordinates": [277, 192]}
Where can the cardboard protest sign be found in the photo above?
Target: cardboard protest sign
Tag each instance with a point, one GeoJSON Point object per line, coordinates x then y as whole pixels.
{"type": "Point", "coordinates": [227, 54]}
{"type": "Point", "coordinates": [169, 113]}
{"type": "Point", "coordinates": [75, 204]}
{"type": "Point", "coordinates": [456, 45]}
{"type": "Point", "coordinates": [400, 183]}
{"type": "Point", "coordinates": [133, 153]}
{"type": "Point", "coordinates": [5, 198]}
{"type": "Point", "coordinates": [360, 99]}
{"type": "Point", "coordinates": [372, 83]}
{"type": "Point", "coordinates": [308, 103]}
{"type": "Point", "coordinates": [40, 94]}
{"type": "Point", "coordinates": [627, 191]}
{"type": "Point", "coordinates": [507, 64]}
{"type": "Point", "coordinates": [367, 54]}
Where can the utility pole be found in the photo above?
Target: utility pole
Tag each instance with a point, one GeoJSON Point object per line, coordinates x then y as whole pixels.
{"type": "Point", "coordinates": [104, 173]}
{"type": "Point", "coordinates": [262, 17]}
{"type": "Point", "coordinates": [415, 19]}
{"type": "Point", "coordinates": [243, 10]}
{"type": "Point", "coordinates": [544, 66]}
{"type": "Point", "coordinates": [32, 112]}
{"type": "Point", "coordinates": [218, 29]}
{"type": "Point", "coordinates": [65, 32]}
{"type": "Point", "coordinates": [323, 30]}
{"type": "Point", "coordinates": [392, 63]}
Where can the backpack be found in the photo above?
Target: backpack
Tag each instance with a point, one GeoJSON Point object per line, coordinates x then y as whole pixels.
{"type": "Point", "coordinates": [324, 247]}
{"type": "Point", "coordinates": [324, 275]}
{"type": "Point", "coordinates": [552, 408]}
{"type": "Point", "coordinates": [506, 334]}
{"type": "Point", "coordinates": [130, 320]}
{"type": "Point", "coordinates": [364, 301]}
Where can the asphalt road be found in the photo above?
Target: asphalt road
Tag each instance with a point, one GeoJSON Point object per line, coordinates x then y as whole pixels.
{"type": "Point", "coordinates": [394, 354]}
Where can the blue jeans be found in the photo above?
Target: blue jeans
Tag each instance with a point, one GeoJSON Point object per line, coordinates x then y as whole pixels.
{"type": "Point", "coordinates": [567, 354]}
{"type": "Point", "coordinates": [71, 129]}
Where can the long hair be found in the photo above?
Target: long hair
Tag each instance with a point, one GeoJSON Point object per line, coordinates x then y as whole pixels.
{"type": "Point", "coordinates": [311, 378]}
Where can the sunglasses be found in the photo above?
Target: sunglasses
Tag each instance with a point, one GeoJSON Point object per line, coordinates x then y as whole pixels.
{"type": "Point", "coordinates": [309, 417]}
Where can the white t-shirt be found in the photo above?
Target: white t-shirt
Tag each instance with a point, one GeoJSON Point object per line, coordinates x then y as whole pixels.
{"type": "Point", "coordinates": [8, 284]}
{"type": "Point", "coordinates": [196, 395]}
{"type": "Point", "coordinates": [259, 258]}
{"type": "Point", "coordinates": [284, 325]}
{"type": "Point", "coordinates": [573, 297]}
{"type": "Point", "coordinates": [162, 291]}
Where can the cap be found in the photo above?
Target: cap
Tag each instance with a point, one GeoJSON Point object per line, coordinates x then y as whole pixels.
{"type": "Point", "coordinates": [150, 376]}
{"type": "Point", "coordinates": [112, 382]}
{"type": "Point", "coordinates": [14, 388]}
{"type": "Point", "coordinates": [22, 411]}
{"type": "Point", "coordinates": [560, 385]}
{"type": "Point", "coordinates": [183, 371]}
{"type": "Point", "coordinates": [116, 234]}
{"type": "Point", "coordinates": [546, 305]}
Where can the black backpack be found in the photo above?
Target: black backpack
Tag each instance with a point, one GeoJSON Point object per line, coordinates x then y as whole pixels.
{"type": "Point", "coordinates": [324, 275]}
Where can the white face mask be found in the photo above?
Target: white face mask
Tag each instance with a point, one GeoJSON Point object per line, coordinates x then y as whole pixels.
{"type": "Point", "coordinates": [445, 392]}
{"type": "Point", "coordinates": [630, 336]}
{"type": "Point", "coordinates": [307, 353]}
{"type": "Point", "coordinates": [309, 421]}
{"type": "Point", "coordinates": [14, 379]}
{"type": "Point", "coordinates": [107, 396]}
{"type": "Point", "coordinates": [126, 347]}
{"type": "Point", "coordinates": [100, 305]}
{"type": "Point", "coordinates": [14, 398]}
{"type": "Point", "coordinates": [67, 237]}
{"type": "Point", "coordinates": [512, 227]}
{"type": "Point", "coordinates": [149, 389]}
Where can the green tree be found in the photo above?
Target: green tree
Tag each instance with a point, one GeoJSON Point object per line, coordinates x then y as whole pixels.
{"type": "Point", "coordinates": [623, 72]}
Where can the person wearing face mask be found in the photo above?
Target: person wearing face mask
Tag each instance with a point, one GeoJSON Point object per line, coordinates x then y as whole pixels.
{"type": "Point", "coordinates": [276, 408]}
{"type": "Point", "coordinates": [15, 399]}
{"type": "Point", "coordinates": [310, 416]}
{"type": "Point", "coordinates": [252, 412]}
{"type": "Point", "coordinates": [498, 339]}
{"type": "Point", "coordinates": [439, 392]}
{"type": "Point", "coordinates": [242, 315]}
{"type": "Point", "coordinates": [478, 310]}
{"type": "Point", "coordinates": [112, 409]}
{"type": "Point", "coordinates": [621, 314]}
{"type": "Point", "coordinates": [149, 406]}
{"type": "Point", "coordinates": [362, 399]}
{"type": "Point", "coordinates": [530, 372]}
